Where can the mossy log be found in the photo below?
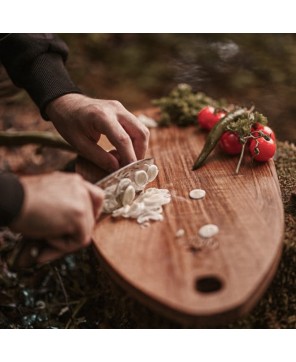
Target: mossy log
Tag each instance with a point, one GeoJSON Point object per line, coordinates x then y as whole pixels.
{"type": "Point", "coordinates": [21, 138]}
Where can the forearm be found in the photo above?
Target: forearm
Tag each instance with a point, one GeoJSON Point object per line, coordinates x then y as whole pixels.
{"type": "Point", "coordinates": [11, 198]}
{"type": "Point", "coordinates": [35, 62]}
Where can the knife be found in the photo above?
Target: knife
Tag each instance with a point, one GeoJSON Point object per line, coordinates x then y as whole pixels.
{"type": "Point", "coordinates": [126, 171]}
{"type": "Point", "coordinates": [26, 250]}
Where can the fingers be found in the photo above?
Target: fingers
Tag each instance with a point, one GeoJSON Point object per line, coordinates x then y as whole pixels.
{"type": "Point", "coordinates": [59, 247]}
{"type": "Point", "coordinates": [120, 139]}
{"type": "Point", "coordinates": [48, 255]}
{"type": "Point", "coordinates": [83, 221]}
{"type": "Point", "coordinates": [81, 120]}
{"type": "Point", "coordinates": [66, 244]}
{"type": "Point", "coordinates": [138, 133]}
{"type": "Point", "coordinates": [61, 210]}
{"type": "Point", "coordinates": [103, 159]}
{"type": "Point", "coordinates": [56, 249]}
{"type": "Point", "coordinates": [127, 134]}
{"type": "Point", "coordinates": [97, 197]}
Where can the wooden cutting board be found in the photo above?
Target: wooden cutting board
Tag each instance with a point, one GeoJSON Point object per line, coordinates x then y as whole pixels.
{"type": "Point", "coordinates": [190, 279]}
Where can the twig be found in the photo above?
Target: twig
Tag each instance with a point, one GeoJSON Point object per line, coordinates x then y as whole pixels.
{"type": "Point", "coordinates": [77, 309]}
{"type": "Point", "coordinates": [20, 138]}
{"type": "Point", "coordinates": [63, 288]}
{"type": "Point", "coordinates": [240, 158]}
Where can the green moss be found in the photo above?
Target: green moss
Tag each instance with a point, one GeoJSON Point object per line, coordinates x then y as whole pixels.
{"type": "Point", "coordinates": [277, 309]}
{"type": "Point", "coordinates": [181, 106]}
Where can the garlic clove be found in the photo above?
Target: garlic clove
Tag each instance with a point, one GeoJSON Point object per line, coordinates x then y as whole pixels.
{"type": "Point", "coordinates": [152, 172]}
{"type": "Point", "coordinates": [128, 195]}
{"type": "Point", "coordinates": [141, 178]}
{"type": "Point", "coordinates": [122, 185]}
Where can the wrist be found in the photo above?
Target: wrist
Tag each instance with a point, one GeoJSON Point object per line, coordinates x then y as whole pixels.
{"type": "Point", "coordinates": [11, 198]}
{"type": "Point", "coordinates": [60, 105]}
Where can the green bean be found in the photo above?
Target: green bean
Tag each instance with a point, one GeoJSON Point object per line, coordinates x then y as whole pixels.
{"type": "Point", "coordinates": [216, 133]}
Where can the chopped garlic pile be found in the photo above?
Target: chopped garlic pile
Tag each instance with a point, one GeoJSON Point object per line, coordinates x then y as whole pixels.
{"type": "Point", "coordinates": [120, 199]}
{"type": "Point", "coordinates": [148, 206]}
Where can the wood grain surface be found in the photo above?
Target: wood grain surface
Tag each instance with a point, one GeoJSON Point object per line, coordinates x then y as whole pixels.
{"type": "Point", "coordinates": [190, 279]}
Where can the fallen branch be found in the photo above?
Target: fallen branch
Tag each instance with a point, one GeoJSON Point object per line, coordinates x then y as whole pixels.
{"type": "Point", "coordinates": [21, 138]}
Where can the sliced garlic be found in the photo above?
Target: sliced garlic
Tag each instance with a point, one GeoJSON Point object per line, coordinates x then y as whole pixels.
{"type": "Point", "coordinates": [128, 195]}
{"type": "Point", "coordinates": [152, 172]}
{"type": "Point", "coordinates": [110, 202]}
{"type": "Point", "coordinates": [180, 233]}
{"type": "Point", "coordinates": [121, 202]}
{"type": "Point", "coordinates": [122, 185]}
{"type": "Point", "coordinates": [141, 178]}
{"type": "Point", "coordinates": [197, 194]}
{"type": "Point", "coordinates": [110, 205]}
{"type": "Point", "coordinates": [136, 209]}
{"type": "Point", "coordinates": [148, 206]}
{"type": "Point", "coordinates": [208, 230]}
{"type": "Point", "coordinates": [122, 211]}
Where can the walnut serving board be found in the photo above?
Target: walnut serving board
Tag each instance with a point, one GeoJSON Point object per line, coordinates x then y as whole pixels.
{"type": "Point", "coordinates": [190, 279]}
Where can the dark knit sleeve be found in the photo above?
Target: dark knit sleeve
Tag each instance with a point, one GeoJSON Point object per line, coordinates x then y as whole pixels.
{"type": "Point", "coordinates": [36, 62]}
{"type": "Point", "coordinates": [11, 198]}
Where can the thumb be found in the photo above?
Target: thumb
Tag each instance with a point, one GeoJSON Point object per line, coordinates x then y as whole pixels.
{"type": "Point", "coordinates": [49, 254]}
{"type": "Point", "coordinates": [97, 198]}
{"type": "Point", "coordinates": [95, 153]}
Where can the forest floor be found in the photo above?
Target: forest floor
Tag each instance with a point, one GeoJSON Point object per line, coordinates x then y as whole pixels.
{"type": "Point", "coordinates": [76, 292]}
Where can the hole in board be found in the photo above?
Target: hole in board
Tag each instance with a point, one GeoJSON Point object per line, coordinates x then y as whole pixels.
{"type": "Point", "coordinates": [208, 284]}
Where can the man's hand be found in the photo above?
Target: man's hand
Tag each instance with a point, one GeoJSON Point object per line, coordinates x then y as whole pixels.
{"type": "Point", "coordinates": [81, 121]}
{"type": "Point", "coordinates": [61, 208]}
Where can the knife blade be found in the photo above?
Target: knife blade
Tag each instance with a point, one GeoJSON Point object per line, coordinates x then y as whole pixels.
{"type": "Point", "coordinates": [126, 171]}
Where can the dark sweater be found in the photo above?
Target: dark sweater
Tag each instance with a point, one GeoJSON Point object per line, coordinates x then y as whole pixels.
{"type": "Point", "coordinates": [34, 62]}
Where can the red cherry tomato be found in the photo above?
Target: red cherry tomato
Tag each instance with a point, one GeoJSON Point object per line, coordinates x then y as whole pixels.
{"type": "Point", "coordinates": [261, 149]}
{"type": "Point", "coordinates": [209, 116]}
{"type": "Point", "coordinates": [265, 129]}
{"type": "Point", "coordinates": [230, 143]}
